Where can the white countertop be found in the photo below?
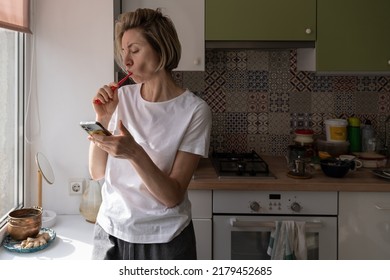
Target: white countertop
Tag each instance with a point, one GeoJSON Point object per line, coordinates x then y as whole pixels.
{"type": "Point", "coordinates": [73, 241]}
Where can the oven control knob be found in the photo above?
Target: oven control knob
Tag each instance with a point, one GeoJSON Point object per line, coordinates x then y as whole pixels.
{"type": "Point", "coordinates": [254, 206]}
{"type": "Point", "coordinates": [296, 207]}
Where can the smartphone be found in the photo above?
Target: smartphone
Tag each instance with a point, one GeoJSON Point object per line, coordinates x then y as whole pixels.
{"type": "Point", "coordinates": [93, 127]}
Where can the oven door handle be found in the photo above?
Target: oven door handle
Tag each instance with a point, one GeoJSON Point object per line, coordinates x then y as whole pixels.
{"type": "Point", "coordinates": [234, 222]}
{"type": "Point", "coordinates": [381, 207]}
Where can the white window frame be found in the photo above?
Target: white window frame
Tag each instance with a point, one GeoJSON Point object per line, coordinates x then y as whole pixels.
{"type": "Point", "coordinates": [19, 168]}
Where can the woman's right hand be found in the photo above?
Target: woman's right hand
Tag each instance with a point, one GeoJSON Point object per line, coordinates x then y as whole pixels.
{"type": "Point", "coordinates": [105, 101]}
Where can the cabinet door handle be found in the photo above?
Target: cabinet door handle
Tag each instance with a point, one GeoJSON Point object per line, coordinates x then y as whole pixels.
{"type": "Point", "coordinates": [197, 61]}
{"type": "Point", "coordinates": [380, 207]}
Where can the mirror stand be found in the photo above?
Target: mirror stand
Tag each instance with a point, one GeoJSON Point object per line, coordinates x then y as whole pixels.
{"type": "Point", "coordinates": [39, 188]}
{"type": "Point", "coordinates": [45, 171]}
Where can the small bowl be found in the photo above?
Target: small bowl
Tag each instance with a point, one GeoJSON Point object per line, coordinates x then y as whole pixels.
{"type": "Point", "coordinates": [25, 222]}
{"type": "Point", "coordinates": [48, 218]}
{"type": "Point", "coordinates": [336, 168]}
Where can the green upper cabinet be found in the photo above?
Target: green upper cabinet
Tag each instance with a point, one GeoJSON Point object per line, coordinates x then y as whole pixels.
{"type": "Point", "coordinates": [260, 20]}
{"type": "Point", "coordinates": [353, 35]}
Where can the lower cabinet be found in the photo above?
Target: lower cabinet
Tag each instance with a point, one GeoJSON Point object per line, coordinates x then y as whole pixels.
{"type": "Point", "coordinates": [364, 225]}
{"type": "Point", "coordinates": [201, 201]}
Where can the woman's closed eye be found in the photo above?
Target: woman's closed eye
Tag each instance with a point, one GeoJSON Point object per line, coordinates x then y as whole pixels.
{"type": "Point", "coordinates": [127, 53]}
{"type": "Point", "coordinates": [130, 50]}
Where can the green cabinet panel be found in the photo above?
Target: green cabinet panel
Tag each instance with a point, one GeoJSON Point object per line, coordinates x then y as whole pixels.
{"type": "Point", "coordinates": [265, 20]}
{"type": "Point", "coordinates": [353, 35]}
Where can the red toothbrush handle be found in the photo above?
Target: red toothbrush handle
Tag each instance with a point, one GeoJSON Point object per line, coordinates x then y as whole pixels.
{"type": "Point", "coordinates": [114, 87]}
{"type": "Point", "coordinates": [98, 102]}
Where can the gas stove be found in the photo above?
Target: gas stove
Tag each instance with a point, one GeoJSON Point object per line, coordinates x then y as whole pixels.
{"type": "Point", "coordinates": [240, 165]}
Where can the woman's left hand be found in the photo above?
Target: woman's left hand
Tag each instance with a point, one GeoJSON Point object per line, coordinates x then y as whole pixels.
{"type": "Point", "coordinates": [119, 146]}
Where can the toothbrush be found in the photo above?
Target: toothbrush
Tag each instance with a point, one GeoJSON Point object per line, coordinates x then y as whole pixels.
{"type": "Point", "coordinates": [98, 102]}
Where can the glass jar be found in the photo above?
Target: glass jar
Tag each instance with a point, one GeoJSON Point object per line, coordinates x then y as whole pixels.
{"type": "Point", "coordinates": [304, 138]}
{"type": "Point", "coordinates": [91, 201]}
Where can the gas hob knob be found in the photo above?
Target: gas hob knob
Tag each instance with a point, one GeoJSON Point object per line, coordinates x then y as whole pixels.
{"type": "Point", "coordinates": [254, 206]}
{"type": "Point", "coordinates": [296, 207]}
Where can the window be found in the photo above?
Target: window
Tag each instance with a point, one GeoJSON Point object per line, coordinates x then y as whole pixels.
{"type": "Point", "coordinates": [11, 121]}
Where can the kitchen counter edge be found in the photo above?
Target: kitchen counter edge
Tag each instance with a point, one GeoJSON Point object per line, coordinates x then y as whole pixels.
{"type": "Point", "coordinates": [362, 180]}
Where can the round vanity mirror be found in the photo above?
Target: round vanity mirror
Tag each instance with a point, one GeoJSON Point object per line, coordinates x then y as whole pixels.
{"type": "Point", "coordinates": [45, 168]}
{"type": "Point", "coordinates": [45, 171]}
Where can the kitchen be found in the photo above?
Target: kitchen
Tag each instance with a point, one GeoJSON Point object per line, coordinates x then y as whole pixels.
{"type": "Point", "coordinates": [258, 97]}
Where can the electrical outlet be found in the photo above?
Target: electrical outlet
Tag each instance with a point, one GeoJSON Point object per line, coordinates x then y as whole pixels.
{"type": "Point", "coordinates": [76, 186]}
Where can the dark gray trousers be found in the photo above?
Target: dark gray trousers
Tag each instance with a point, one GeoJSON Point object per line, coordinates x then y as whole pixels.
{"type": "Point", "coordinates": [108, 247]}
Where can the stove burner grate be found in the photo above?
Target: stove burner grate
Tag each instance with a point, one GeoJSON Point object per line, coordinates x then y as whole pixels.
{"type": "Point", "coordinates": [240, 164]}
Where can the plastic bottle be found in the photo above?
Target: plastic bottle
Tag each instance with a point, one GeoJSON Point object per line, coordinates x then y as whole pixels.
{"type": "Point", "coordinates": [368, 135]}
{"type": "Point", "coordinates": [354, 135]}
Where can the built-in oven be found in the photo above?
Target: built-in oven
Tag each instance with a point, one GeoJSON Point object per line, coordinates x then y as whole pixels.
{"type": "Point", "coordinates": [243, 222]}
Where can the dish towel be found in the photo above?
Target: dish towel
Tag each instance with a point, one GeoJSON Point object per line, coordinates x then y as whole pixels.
{"type": "Point", "coordinates": [288, 241]}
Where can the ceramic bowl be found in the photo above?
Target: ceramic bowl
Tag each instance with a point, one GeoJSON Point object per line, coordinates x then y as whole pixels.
{"type": "Point", "coordinates": [25, 222]}
{"type": "Point", "coordinates": [336, 168]}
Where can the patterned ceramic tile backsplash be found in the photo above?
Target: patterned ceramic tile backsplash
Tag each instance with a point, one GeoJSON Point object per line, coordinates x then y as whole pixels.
{"type": "Point", "coordinates": [258, 98]}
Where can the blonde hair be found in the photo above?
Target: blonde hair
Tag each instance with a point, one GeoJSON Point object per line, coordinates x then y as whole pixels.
{"type": "Point", "coordinates": [157, 29]}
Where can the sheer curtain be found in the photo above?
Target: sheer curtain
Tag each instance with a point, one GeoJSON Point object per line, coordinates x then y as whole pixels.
{"type": "Point", "coordinates": [15, 15]}
{"type": "Point", "coordinates": [14, 21]}
{"type": "Point", "coordinates": [8, 122]}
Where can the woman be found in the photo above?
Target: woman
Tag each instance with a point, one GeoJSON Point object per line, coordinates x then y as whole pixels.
{"type": "Point", "coordinates": [160, 133]}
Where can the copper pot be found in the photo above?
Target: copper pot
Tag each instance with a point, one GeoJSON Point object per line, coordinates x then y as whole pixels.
{"type": "Point", "coordinates": [25, 222]}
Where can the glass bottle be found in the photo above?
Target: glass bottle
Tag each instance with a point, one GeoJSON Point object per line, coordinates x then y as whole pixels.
{"type": "Point", "coordinates": [368, 137]}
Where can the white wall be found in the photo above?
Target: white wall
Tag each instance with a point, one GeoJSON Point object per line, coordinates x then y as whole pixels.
{"type": "Point", "coordinates": [74, 57]}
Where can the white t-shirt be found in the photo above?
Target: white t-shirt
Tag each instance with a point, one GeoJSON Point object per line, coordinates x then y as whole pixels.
{"type": "Point", "coordinates": [129, 211]}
